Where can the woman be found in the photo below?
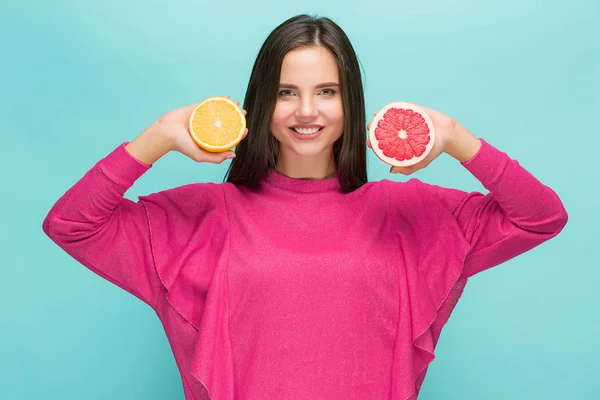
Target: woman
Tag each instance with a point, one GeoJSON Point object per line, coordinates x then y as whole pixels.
{"type": "Point", "coordinates": [297, 278]}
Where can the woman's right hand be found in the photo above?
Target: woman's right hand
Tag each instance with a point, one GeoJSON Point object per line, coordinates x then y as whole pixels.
{"type": "Point", "coordinates": [173, 128]}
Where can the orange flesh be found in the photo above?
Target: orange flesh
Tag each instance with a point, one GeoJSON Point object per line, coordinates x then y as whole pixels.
{"type": "Point", "coordinates": [217, 123]}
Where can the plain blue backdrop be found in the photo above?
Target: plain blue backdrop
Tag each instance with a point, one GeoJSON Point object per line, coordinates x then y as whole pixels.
{"type": "Point", "coordinates": [79, 78]}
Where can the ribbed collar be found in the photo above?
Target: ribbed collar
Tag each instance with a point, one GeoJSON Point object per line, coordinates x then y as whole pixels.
{"type": "Point", "coordinates": [276, 178]}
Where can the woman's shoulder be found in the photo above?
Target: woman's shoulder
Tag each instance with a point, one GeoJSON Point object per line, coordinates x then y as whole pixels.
{"type": "Point", "coordinates": [417, 194]}
{"type": "Point", "coordinates": [187, 201]}
{"type": "Point", "coordinates": [399, 188]}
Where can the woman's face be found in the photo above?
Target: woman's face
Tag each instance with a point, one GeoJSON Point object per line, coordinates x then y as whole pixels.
{"type": "Point", "coordinates": [308, 98]}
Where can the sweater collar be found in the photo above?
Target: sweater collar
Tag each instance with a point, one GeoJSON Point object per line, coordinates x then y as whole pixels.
{"type": "Point", "coordinates": [280, 180]}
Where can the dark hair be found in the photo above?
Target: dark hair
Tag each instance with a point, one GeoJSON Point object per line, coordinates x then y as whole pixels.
{"type": "Point", "coordinates": [259, 151]}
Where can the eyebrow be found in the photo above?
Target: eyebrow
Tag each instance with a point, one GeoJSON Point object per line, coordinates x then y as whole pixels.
{"type": "Point", "coordinates": [319, 86]}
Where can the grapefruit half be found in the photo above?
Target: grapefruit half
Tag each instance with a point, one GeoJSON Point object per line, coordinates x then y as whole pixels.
{"type": "Point", "coordinates": [401, 134]}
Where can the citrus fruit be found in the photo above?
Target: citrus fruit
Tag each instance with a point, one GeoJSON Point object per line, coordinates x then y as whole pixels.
{"type": "Point", "coordinates": [401, 134]}
{"type": "Point", "coordinates": [217, 124]}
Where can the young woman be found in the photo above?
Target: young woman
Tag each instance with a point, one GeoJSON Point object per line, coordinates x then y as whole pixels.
{"type": "Point", "coordinates": [296, 278]}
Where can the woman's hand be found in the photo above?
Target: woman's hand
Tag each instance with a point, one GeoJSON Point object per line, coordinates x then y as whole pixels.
{"type": "Point", "coordinates": [174, 125]}
{"type": "Point", "coordinates": [171, 132]}
{"type": "Point", "coordinates": [450, 137]}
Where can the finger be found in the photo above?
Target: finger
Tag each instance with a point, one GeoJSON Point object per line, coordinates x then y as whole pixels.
{"type": "Point", "coordinates": [224, 95]}
{"type": "Point", "coordinates": [236, 102]}
{"type": "Point", "coordinates": [226, 155]}
{"type": "Point", "coordinates": [369, 144]}
{"type": "Point", "coordinates": [369, 126]}
{"type": "Point", "coordinates": [245, 112]}
{"type": "Point", "coordinates": [221, 161]}
{"type": "Point", "coordinates": [209, 157]}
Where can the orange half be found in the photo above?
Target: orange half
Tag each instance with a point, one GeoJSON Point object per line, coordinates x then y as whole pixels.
{"type": "Point", "coordinates": [217, 124]}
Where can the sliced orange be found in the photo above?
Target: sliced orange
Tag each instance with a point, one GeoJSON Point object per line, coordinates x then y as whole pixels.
{"type": "Point", "coordinates": [217, 124]}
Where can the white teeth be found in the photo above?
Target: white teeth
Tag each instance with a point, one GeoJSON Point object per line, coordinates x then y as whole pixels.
{"type": "Point", "coordinates": [307, 131]}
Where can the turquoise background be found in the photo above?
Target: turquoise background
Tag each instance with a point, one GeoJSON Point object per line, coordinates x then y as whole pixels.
{"type": "Point", "coordinates": [78, 78]}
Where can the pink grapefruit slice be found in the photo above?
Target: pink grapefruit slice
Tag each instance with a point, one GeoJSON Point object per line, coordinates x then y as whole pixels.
{"type": "Point", "coordinates": [401, 134]}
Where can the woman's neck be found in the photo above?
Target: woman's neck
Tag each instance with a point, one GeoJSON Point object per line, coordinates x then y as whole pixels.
{"type": "Point", "coordinates": [307, 168]}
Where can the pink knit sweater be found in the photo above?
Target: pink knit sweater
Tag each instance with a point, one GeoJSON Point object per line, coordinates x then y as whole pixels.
{"type": "Point", "coordinates": [297, 290]}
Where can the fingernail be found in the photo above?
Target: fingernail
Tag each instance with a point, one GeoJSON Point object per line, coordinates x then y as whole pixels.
{"type": "Point", "coordinates": [231, 156]}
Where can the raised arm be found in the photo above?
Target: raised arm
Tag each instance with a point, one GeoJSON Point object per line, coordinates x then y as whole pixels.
{"type": "Point", "coordinates": [109, 234]}
{"type": "Point", "coordinates": [104, 231]}
{"type": "Point", "coordinates": [518, 214]}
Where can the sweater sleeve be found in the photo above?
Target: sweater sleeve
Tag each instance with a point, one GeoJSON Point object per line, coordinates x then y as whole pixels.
{"type": "Point", "coordinates": [104, 231]}
{"type": "Point", "coordinates": [517, 214]}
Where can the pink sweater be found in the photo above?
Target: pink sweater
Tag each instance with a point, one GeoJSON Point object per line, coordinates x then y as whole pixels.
{"type": "Point", "coordinates": [297, 290]}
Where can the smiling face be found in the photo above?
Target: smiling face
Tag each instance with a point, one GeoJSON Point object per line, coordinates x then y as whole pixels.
{"type": "Point", "coordinates": [309, 115]}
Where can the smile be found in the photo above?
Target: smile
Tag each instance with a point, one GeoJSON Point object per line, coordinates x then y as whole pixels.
{"type": "Point", "coordinates": [306, 133]}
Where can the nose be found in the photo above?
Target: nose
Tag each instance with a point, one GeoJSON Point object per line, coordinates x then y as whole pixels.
{"type": "Point", "coordinates": [307, 109]}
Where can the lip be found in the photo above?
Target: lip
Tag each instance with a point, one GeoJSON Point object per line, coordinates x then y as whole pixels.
{"type": "Point", "coordinates": [312, 136]}
{"type": "Point", "coordinates": [306, 126]}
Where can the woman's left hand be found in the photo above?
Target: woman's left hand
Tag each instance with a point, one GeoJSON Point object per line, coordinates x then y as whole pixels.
{"type": "Point", "coordinates": [450, 137]}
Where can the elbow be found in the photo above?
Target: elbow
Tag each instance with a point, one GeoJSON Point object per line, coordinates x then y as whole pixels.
{"type": "Point", "coordinates": [54, 233]}
{"type": "Point", "coordinates": [556, 223]}
{"type": "Point", "coordinates": [558, 218]}
{"type": "Point", "coordinates": [548, 224]}
{"type": "Point", "coordinates": [63, 231]}
{"type": "Point", "coordinates": [563, 218]}
{"type": "Point", "coordinates": [62, 225]}
{"type": "Point", "coordinates": [47, 225]}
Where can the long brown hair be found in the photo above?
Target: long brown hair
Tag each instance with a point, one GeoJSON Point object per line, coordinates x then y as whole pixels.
{"type": "Point", "coordinates": [259, 151]}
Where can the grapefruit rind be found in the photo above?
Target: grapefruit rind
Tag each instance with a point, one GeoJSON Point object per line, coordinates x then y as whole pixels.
{"type": "Point", "coordinates": [375, 144]}
{"type": "Point", "coordinates": [210, 147]}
